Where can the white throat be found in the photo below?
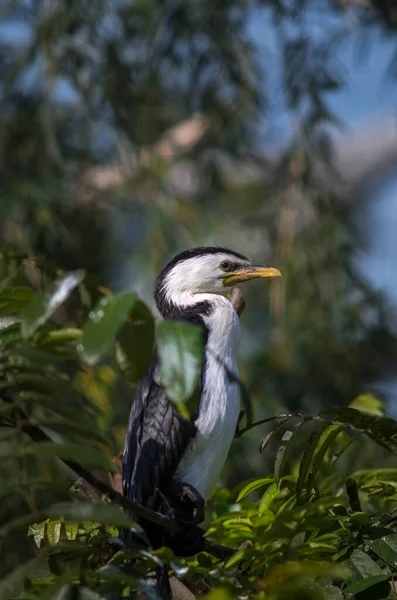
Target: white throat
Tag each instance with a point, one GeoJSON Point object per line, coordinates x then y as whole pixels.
{"type": "Point", "coordinates": [220, 405]}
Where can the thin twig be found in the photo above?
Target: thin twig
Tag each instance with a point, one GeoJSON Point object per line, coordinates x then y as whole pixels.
{"type": "Point", "coordinates": [38, 435]}
{"type": "Point", "coordinates": [237, 300]}
{"type": "Point", "coordinates": [240, 432]}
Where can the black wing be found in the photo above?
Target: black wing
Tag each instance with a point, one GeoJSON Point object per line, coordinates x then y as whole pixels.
{"type": "Point", "coordinates": [157, 437]}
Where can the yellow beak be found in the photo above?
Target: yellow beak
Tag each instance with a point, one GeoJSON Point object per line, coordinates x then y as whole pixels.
{"type": "Point", "coordinates": [246, 273]}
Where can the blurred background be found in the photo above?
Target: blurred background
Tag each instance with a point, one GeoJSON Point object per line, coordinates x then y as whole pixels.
{"type": "Point", "coordinates": [133, 129]}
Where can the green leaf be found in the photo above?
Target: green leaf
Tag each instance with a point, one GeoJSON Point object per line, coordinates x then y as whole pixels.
{"type": "Point", "coordinates": [71, 530]}
{"type": "Point", "coordinates": [307, 458]}
{"type": "Point", "coordinates": [359, 586]}
{"type": "Point", "coordinates": [268, 497]}
{"type": "Point", "coordinates": [369, 404]}
{"type": "Point", "coordinates": [330, 591]}
{"type": "Point", "coordinates": [272, 434]}
{"type": "Point", "coordinates": [67, 411]}
{"type": "Point", "coordinates": [238, 557]}
{"type": "Point", "coordinates": [104, 323]}
{"type": "Point", "coordinates": [383, 430]}
{"type": "Point", "coordinates": [252, 486]}
{"type": "Point", "coordinates": [15, 300]}
{"type": "Point", "coordinates": [11, 585]}
{"type": "Point", "coordinates": [136, 341]}
{"type": "Point", "coordinates": [281, 455]}
{"type": "Point", "coordinates": [85, 511]}
{"type": "Point", "coordinates": [37, 530]}
{"type": "Point", "coordinates": [44, 305]}
{"type": "Point", "coordinates": [364, 564]}
{"type": "Point", "coordinates": [181, 356]}
{"type": "Point", "coordinates": [54, 532]}
{"type": "Point", "coordinates": [386, 548]}
{"type": "Point", "coordinates": [69, 592]}
{"type": "Point", "coordinates": [328, 434]}
{"type": "Point", "coordinates": [83, 454]}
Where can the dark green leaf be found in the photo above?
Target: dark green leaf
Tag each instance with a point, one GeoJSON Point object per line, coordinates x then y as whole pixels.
{"type": "Point", "coordinates": [104, 323]}
{"type": "Point", "coordinates": [282, 455]}
{"type": "Point", "coordinates": [383, 430]}
{"type": "Point", "coordinates": [11, 585]}
{"type": "Point", "coordinates": [14, 301]}
{"type": "Point", "coordinates": [364, 564]}
{"type": "Point", "coordinates": [44, 305]}
{"type": "Point", "coordinates": [181, 355]}
{"type": "Point", "coordinates": [386, 548]}
{"type": "Point", "coordinates": [136, 339]}
{"type": "Point", "coordinates": [306, 461]}
{"type": "Point", "coordinates": [87, 455]}
{"type": "Point", "coordinates": [84, 511]}
{"type": "Point", "coordinates": [272, 434]}
{"type": "Point", "coordinates": [359, 586]}
{"type": "Point", "coordinates": [328, 434]}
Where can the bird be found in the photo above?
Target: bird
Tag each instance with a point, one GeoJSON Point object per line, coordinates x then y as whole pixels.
{"type": "Point", "coordinates": [170, 462]}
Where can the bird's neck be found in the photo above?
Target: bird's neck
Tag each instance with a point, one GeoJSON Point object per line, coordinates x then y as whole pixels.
{"type": "Point", "coordinates": [224, 330]}
{"type": "Point", "coordinates": [217, 314]}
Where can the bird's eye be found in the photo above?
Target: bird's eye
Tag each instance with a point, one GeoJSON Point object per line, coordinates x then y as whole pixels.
{"type": "Point", "coordinates": [226, 265]}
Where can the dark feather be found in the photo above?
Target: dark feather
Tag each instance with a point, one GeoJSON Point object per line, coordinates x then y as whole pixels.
{"type": "Point", "coordinates": [157, 436]}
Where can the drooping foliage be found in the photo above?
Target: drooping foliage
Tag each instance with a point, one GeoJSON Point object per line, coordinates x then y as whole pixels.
{"type": "Point", "coordinates": [319, 523]}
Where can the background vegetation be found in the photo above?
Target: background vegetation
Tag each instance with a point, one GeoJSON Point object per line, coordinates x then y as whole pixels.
{"type": "Point", "coordinates": [129, 131]}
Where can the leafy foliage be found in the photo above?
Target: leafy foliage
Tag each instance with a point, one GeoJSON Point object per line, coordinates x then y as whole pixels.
{"type": "Point", "coordinates": [311, 528]}
{"type": "Point", "coordinates": [127, 130]}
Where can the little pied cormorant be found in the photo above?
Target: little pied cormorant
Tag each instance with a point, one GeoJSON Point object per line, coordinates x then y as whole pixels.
{"type": "Point", "coordinates": [167, 456]}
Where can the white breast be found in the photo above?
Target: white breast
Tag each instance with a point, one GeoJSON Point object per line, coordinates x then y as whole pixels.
{"type": "Point", "coordinates": [203, 461]}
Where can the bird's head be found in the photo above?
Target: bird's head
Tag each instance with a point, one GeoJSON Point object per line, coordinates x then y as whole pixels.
{"type": "Point", "coordinates": [205, 270]}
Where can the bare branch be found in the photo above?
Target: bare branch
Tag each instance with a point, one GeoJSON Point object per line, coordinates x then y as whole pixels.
{"type": "Point", "coordinates": [237, 300]}
{"type": "Point", "coordinates": [93, 485]}
{"type": "Point", "coordinates": [240, 432]}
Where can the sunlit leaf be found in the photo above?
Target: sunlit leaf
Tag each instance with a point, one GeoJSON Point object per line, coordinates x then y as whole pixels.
{"type": "Point", "coordinates": [181, 355]}
{"type": "Point", "coordinates": [369, 404]}
{"type": "Point", "coordinates": [252, 486]}
{"type": "Point", "coordinates": [71, 530]}
{"type": "Point", "coordinates": [268, 497]}
{"type": "Point", "coordinates": [104, 323]}
{"type": "Point", "coordinates": [53, 532]}
{"type": "Point", "coordinates": [37, 530]}
{"type": "Point", "coordinates": [44, 305]}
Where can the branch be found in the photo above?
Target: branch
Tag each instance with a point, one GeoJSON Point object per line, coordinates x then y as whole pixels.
{"type": "Point", "coordinates": [38, 435]}
{"type": "Point", "coordinates": [237, 300]}
{"type": "Point", "coordinates": [240, 432]}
